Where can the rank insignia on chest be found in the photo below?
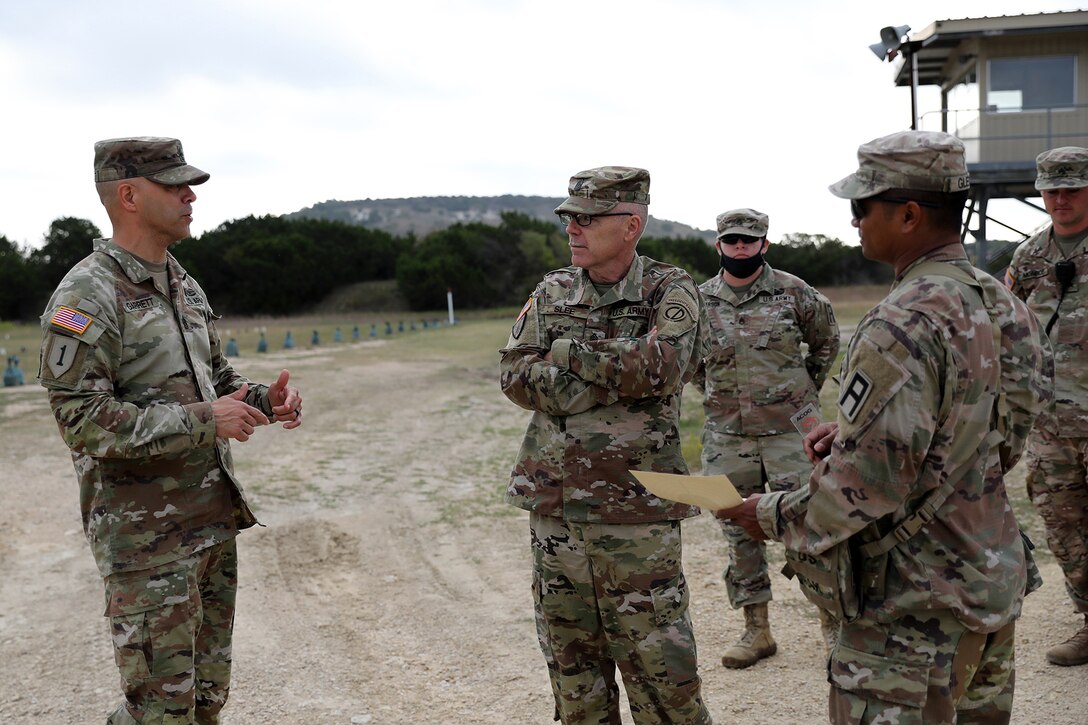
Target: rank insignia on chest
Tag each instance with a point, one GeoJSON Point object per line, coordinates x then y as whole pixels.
{"type": "Point", "coordinates": [71, 319]}
{"type": "Point", "coordinates": [193, 298]}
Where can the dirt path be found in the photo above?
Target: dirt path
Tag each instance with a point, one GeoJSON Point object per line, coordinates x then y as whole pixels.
{"type": "Point", "coordinates": [390, 584]}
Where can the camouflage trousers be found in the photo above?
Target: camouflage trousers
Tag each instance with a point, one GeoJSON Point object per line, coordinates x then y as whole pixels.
{"type": "Point", "coordinates": [171, 629]}
{"type": "Point", "coordinates": [608, 596]}
{"type": "Point", "coordinates": [754, 464]}
{"type": "Point", "coordinates": [923, 669]}
{"type": "Point", "coordinates": [1057, 484]}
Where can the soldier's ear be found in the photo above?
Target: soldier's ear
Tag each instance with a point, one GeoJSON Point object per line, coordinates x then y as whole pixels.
{"type": "Point", "coordinates": [634, 228]}
{"type": "Point", "coordinates": [126, 196]}
{"type": "Point", "coordinates": [910, 216]}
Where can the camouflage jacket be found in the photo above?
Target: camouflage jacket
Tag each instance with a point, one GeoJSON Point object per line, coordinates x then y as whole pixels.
{"type": "Point", "coordinates": [919, 404]}
{"type": "Point", "coordinates": [1031, 276]}
{"type": "Point", "coordinates": [609, 400]}
{"type": "Point", "coordinates": [756, 373]}
{"type": "Point", "coordinates": [132, 371]}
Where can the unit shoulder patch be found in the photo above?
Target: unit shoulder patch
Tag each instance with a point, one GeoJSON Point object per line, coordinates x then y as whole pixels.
{"type": "Point", "coordinates": [677, 313]}
{"type": "Point", "coordinates": [875, 377]}
{"type": "Point", "coordinates": [63, 360]}
{"type": "Point", "coordinates": [854, 394]}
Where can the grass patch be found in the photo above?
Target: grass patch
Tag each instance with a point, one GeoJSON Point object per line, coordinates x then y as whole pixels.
{"type": "Point", "coordinates": [852, 302]}
{"type": "Point", "coordinates": [692, 419]}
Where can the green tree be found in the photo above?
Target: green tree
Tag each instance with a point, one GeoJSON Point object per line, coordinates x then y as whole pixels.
{"type": "Point", "coordinates": [20, 287]}
{"type": "Point", "coordinates": [484, 265]}
{"type": "Point", "coordinates": [275, 265]}
{"type": "Point", "coordinates": [694, 254]}
{"type": "Point", "coordinates": [825, 261]}
{"type": "Point", "coordinates": [68, 240]}
{"type": "Point", "coordinates": [448, 259]}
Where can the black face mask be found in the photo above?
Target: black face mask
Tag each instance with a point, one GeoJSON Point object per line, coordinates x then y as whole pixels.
{"type": "Point", "coordinates": [741, 267]}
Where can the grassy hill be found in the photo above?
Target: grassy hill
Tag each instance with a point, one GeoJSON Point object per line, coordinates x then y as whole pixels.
{"type": "Point", "coordinates": [425, 214]}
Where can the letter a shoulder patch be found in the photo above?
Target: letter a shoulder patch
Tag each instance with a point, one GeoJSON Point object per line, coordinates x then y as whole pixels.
{"type": "Point", "coordinates": [875, 376]}
{"type": "Point", "coordinates": [854, 395]}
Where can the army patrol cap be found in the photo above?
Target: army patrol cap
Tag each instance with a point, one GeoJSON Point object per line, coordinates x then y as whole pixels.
{"type": "Point", "coordinates": [599, 190]}
{"type": "Point", "coordinates": [918, 160]}
{"type": "Point", "coordinates": [749, 222]}
{"type": "Point", "coordinates": [1065, 167]}
{"type": "Point", "coordinates": [152, 157]}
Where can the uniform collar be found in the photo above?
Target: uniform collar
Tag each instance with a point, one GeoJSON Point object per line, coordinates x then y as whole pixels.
{"type": "Point", "coordinates": [582, 292]}
{"type": "Point", "coordinates": [951, 253]}
{"type": "Point", "coordinates": [131, 266]}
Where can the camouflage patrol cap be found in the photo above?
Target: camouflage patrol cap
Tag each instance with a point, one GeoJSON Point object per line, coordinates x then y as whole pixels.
{"type": "Point", "coordinates": [919, 160]}
{"type": "Point", "coordinates": [152, 157]}
{"type": "Point", "coordinates": [1065, 167]}
{"type": "Point", "coordinates": [596, 191]}
{"type": "Point", "coordinates": [749, 222]}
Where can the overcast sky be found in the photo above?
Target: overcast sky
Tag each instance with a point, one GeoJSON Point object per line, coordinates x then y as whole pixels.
{"type": "Point", "coordinates": [287, 104]}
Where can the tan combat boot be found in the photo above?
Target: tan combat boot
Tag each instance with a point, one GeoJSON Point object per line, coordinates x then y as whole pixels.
{"type": "Point", "coordinates": [756, 642]}
{"type": "Point", "coordinates": [1073, 651]}
{"type": "Point", "coordinates": [829, 628]}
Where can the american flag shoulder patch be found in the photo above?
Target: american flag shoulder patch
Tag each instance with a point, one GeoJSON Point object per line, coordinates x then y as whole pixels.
{"type": "Point", "coordinates": [71, 319]}
{"type": "Point", "coordinates": [519, 324]}
{"type": "Point", "coordinates": [525, 309]}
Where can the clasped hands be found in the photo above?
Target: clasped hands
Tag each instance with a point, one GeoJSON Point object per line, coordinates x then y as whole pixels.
{"type": "Point", "coordinates": [234, 418]}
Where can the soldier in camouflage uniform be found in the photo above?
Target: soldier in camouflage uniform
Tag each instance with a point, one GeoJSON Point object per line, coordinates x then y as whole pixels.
{"type": "Point", "coordinates": [772, 341]}
{"type": "Point", "coordinates": [146, 401]}
{"type": "Point", "coordinates": [1050, 272]}
{"type": "Point", "coordinates": [600, 354]}
{"type": "Point", "coordinates": [941, 383]}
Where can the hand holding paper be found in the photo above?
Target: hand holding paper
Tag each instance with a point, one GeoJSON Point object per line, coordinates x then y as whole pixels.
{"type": "Point", "coordinates": [714, 493]}
{"type": "Point", "coordinates": [745, 517]}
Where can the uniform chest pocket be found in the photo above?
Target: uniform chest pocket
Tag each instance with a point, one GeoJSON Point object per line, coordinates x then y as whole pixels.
{"type": "Point", "coordinates": [632, 321]}
{"type": "Point", "coordinates": [721, 368]}
{"type": "Point", "coordinates": [198, 337]}
{"type": "Point", "coordinates": [563, 321]}
{"type": "Point", "coordinates": [723, 324]}
{"type": "Point", "coordinates": [151, 334]}
{"type": "Point", "coordinates": [771, 325]}
{"type": "Point", "coordinates": [783, 331]}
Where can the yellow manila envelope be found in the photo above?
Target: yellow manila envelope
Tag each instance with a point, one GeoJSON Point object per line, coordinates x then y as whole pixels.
{"type": "Point", "coordinates": [709, 492]}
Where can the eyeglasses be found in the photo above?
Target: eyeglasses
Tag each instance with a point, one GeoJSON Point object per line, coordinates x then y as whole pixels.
{"type": "Point", "coordinates": [732, 239]}
{"type": "Point", "coordinates": [584, 220]}
{"type": "Point", "coordinates": [858, 209]}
